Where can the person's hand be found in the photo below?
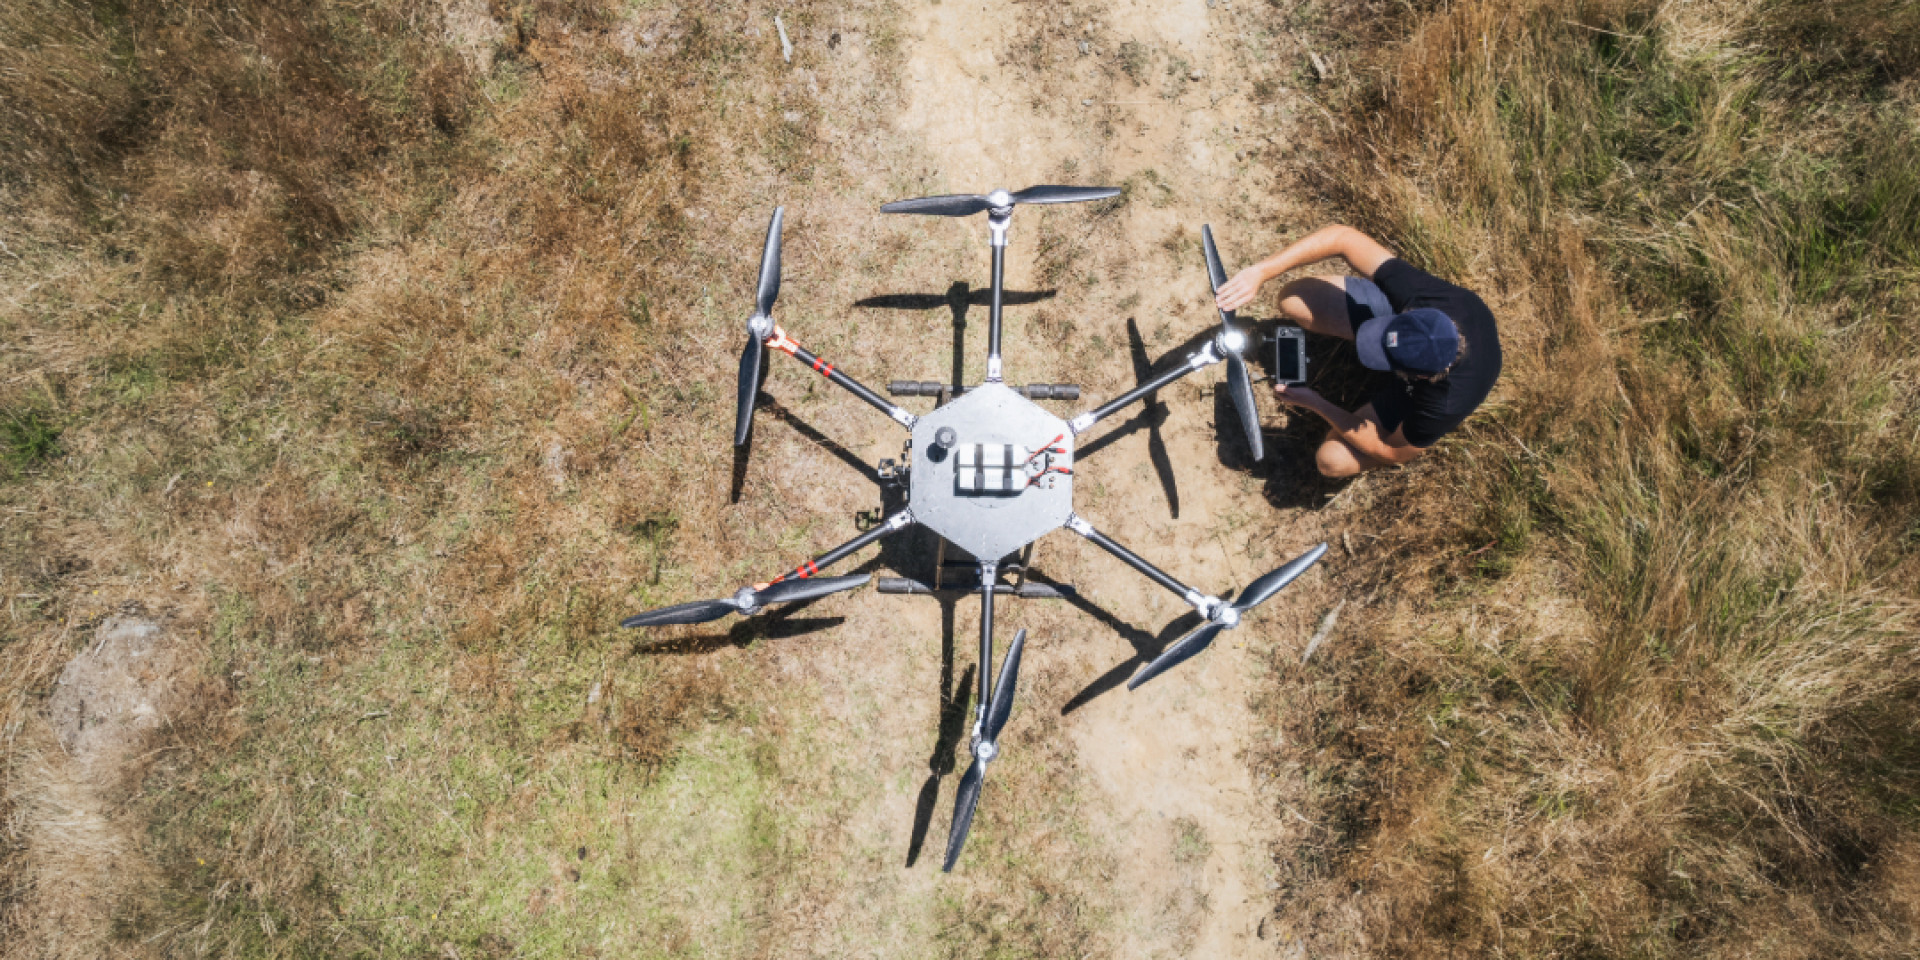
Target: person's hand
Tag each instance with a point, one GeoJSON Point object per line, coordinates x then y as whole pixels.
{"type": "Point", "coordinates": [1297, 396]}
{"type": "Point", "coordinates": [1240, 290]}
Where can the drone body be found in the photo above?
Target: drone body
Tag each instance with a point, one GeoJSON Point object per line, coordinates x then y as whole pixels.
{"type": "Point", "coordinates": [990, 472]}
{"type": "Point", "coordinates": [962, 492]}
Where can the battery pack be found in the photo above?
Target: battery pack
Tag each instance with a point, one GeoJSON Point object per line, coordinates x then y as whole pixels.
{"type": "Point", "coordinates": [990, 468]}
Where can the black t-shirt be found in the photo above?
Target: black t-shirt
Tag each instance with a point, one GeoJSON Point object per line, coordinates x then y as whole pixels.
{"type": "Point", "coordinates": [1428, 411]}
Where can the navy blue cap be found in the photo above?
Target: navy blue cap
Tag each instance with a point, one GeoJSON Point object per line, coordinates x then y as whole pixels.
{"type": "Point", "coordinates": [1422, 341]}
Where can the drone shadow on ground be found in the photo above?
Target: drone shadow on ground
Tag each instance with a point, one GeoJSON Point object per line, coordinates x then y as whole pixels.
{"type": "Point", "coordinates": [769, 407]}
{"type": "Point", "coordinates": [1151, 416]}
{"type": "Point", "coordinates": [1146, 645]}
{"type": "Point", "coordinates": [777, 624]}
{"type": "Point", "coordinates": [913, 553]}
{"type": "Point", "coordinates": [954, 701]}
{"type": "Point", "coordinates": [958, 299]}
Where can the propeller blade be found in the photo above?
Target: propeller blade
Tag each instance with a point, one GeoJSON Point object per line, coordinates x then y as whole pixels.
{"type": "Point", "coordinates": [1216, 271]}
{"type": "Point", "coordinates": [770, 265]}
{"type": "Point", "coordinates": [1003, 691]}
{"type": "Point", "coordinates": [1050, 193]}
{"type": "Point", "coordinates": [790, 591]}
{"type": "Point", "coordinates": [1258, 592]}
{"type": "Point", "coordinates": [699, 611]}
{"type": "Point", "coordinates": [963, 804]}
{"type": "Point", "coordinates": [1240, 388]}
{"type": "Point", "coordinates": [952, 205]}
{"type": "Point", "coordinates": [1182, 650]}
{"type": "Point", "coordinates": [750, 362]}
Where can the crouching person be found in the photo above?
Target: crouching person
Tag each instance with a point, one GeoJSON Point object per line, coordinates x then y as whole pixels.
{"type": "Point", "coordinates": [1438, 341]}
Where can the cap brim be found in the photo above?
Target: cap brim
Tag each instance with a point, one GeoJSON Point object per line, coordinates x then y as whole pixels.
{"type": "Point", "coordinates": [1370, 342]}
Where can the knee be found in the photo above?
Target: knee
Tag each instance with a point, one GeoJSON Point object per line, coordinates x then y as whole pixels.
{"type": "Point", "coordinates": [1293, 300]}
{"type": "Point", "coordinates": [1336, 460]}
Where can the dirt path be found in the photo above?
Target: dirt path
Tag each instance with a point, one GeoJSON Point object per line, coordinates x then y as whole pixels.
{"type": "Point", "coordinates": [1149, 94]}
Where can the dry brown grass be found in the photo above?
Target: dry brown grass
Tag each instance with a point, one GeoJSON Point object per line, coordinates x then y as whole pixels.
{"type": "Point", "coordinates": [1648, 686]}
{"type": "Point", "coordinates": [322, 326]}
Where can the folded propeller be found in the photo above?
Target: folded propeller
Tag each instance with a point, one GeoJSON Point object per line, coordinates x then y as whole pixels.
{"type": "Point", "coordinates": [1231, 343]}
{"type": "Point", "coordinates": [1226, 616]}
{"type": "Point", "coordinates": [986, 746]}
{"type": "Point", "coordinates": [759, 328]}
{"type": "Point", "coordinates": [747, 601]}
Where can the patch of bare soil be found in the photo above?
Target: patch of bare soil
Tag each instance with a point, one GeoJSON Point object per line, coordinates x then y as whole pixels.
{"type": "Point", "coordinates": [83, 759]}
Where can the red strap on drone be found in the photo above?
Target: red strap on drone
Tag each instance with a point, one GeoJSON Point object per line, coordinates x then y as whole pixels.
{"type": "Point", "coordinates": [822, 367]}
{"type": "Point", "coordinates": [800, 572]}
{"type": "Point", "coordinates": [1048, 447]}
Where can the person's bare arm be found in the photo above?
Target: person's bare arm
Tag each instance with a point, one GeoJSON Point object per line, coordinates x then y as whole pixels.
{"type": "Point", "coordinates": [1358, 432]}
{"type": "Point", "coordinates": [1361, 251]}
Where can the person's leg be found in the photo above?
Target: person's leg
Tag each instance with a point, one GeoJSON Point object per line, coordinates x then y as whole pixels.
{"type": "Point", "coordinates": [1337, 459]}
{"type": "Point", "coordinates": [1318, 305]}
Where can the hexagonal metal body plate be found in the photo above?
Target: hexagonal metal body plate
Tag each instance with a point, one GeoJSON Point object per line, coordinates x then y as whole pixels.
{"type": "Point", "coordinates": [989, 526]}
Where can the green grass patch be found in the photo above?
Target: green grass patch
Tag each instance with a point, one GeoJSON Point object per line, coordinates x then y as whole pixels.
{"type": "Point", "coordinates": [28, 437]}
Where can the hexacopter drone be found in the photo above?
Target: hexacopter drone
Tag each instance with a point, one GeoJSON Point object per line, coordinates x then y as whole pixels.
{"type": "Point", "coordinates": [990, 472]}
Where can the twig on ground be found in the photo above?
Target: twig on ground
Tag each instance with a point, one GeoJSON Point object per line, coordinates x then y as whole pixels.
{"type": "Point", "coordinates": [786, 46]}
{"type": "Point", "coordinates": [1319, 65]}
{"type": "Point", "coordinates": [1325, 628]}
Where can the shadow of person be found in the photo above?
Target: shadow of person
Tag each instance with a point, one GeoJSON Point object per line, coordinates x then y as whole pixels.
{"type": "Point", "coordinates": [1292, 480]}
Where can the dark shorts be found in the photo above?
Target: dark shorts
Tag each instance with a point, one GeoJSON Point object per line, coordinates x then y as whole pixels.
{"type": "Point", "coordinates": [1365, 301]}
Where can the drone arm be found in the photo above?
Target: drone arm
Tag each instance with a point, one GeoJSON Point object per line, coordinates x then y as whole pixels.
{"type": "Point", "coordinates": [1203, 357]}
{"type": "Point", "coordinates": [893, 524]}
{"type": "Point", "coordinates": [989, 573]}
{"type": "Point", "coordinates": [787, 345]}
{"type": "Point", "coordinates": [997, 235]}
{"type": "Point", "coordinates": [1199, 601]}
